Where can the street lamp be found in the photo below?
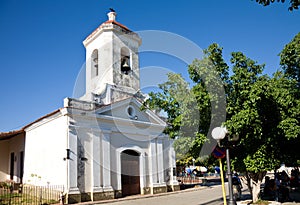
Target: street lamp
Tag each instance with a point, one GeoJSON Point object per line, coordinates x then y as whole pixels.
{"type": "Point", "coordinates": [218, 134]}
{"type": "Point", "coordinates": [193, 163]}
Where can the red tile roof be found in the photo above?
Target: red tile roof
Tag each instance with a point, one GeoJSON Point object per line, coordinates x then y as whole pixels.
{"type": "Point", "coordinates": [8, 135]}
{"type": "Point", "coordinates": [41, 118]}
{"type": "Point", "coordinates": [116, 23]}
{"type": "Point", "coordinates": [11, 134]}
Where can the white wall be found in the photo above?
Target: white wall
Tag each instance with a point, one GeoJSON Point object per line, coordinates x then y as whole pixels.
{"type": "Point", "coordinates": [13, 145]}
{"type": "Point", "coordinates": [16, 145]}
{"type": "Point", "coordinates": [84, 166]}
{"type": "Point", "coordinates": [45, 152]}
{"type": "Point", "coordinates": [105, 65]}
{"type": "Point", "coordinates": [4, 160]}
{"type": "Point", "coordinates": [100, 139]}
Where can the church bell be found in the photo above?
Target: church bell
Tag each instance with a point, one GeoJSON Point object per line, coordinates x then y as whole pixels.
{"type": "Point", "coordinates": [125, 68]}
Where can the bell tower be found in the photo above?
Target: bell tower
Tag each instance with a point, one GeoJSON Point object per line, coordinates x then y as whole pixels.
{"type": "Point", "coordinates": [112, 62]}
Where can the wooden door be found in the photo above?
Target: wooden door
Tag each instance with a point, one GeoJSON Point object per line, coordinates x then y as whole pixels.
{"type": "Point", "coordinates": [12, 165]}
{"type": "Point", "coordinates": [130, 177]}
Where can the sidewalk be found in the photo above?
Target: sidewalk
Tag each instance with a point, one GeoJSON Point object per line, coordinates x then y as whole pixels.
{"type": "Point", "coordinates": [294, 195]}
{"type": "Point", "coordinates": [135, 197]}
{"type": "Point", "coordinates": [246, 197]}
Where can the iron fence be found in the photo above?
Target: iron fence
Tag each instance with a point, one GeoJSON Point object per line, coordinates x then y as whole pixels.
{"type": "Point", "coordinates": [191, 180]}
{"type": "Point", "coordinates": [30, 195]}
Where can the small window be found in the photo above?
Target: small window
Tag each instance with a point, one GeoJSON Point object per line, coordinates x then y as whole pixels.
{"type": "Point", "coordinates": [94, 63]}
{"type": "Point", "coordinates": [131, 111]}
{"type": "Point", "coordinates": [125, 61]}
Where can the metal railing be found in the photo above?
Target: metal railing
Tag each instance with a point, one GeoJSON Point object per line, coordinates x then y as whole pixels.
{"type": "Point", "coordinates": [30, 195]}
{"type": "Point", "coordinates": [190, 179]}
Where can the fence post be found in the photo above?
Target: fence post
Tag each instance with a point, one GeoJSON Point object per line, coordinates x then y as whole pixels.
{"type": "Point", "coordinates": [62, 198]}
{"type": "Point", "coordinates": [41, 194]}
{"type": "Point", "coordinates": [11, 188]}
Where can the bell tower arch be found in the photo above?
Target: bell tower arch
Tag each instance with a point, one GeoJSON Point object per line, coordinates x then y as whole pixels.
{"type": "Point", "coordinates": [112, 63]}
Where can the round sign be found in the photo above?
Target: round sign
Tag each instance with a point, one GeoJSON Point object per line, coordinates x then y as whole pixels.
{"type": "Point", "coordinates": [219, 152]}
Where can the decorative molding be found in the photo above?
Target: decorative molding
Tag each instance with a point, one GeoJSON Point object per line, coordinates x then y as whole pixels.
{"type": "Point", "coordinates": [81, 104]}
{"type": "Point", "coordinates": [142, 162]}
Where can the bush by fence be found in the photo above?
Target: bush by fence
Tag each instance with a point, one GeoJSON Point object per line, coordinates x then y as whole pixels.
{"type": "Point", "coordinates": [29, 195]}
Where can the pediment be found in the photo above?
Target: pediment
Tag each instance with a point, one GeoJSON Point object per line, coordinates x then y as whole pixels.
{"type": "Point", "coordinates": [130, 109]}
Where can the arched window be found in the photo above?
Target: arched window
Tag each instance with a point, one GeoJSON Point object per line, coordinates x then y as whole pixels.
{"type": "Point", "coordinates": [125, 60]}
{"type": "Point", "coordinates": [94, 68]}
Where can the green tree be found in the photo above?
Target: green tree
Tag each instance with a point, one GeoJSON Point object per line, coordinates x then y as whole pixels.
{"type": "Point", "coordinates": [262, 111]}
{"type": "Point", "coordinates": [294, 4]}
{"type": "Point", "coordinates": [290, 59]}
{"type": "Point", "coordinates": [189, 115]}
{"type": "Point", "coordinates": [176, 99]}
{"type": "Point", "coordinates": [211, 79]}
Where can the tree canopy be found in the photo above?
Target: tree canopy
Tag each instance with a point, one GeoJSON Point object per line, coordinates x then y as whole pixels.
{"type": "Point", "coordinates": [294, 4]}
{"type": "Point", "coordinates": [263, 111]}
{"type": "Point", "coordinates": [290, 59]}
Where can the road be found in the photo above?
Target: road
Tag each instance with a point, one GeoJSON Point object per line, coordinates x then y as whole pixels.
{"type": "Point", "coordinates": [196, 196]}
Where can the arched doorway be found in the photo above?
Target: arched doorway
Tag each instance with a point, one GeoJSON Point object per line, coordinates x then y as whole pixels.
{"type": "Point", "coordinates": [130, 172]}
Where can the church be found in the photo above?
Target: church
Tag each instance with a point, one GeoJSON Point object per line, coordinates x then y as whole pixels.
{"type": "Point", "coordinates": [100, 145]}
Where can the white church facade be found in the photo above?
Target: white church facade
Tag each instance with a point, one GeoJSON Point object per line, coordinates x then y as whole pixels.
{"type": "Point", "coordinates": [101, 145]}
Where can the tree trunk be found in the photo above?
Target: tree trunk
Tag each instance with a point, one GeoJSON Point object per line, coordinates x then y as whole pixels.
{"type": "Point", "coordinates": [256, 190]}
{"type": "Point", "coordinates": [248, 180]}
{"type": "Point", "coordinates": [254, 181]}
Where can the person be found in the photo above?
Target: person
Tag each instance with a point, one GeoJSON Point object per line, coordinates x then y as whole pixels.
{"type": "Point", "coordinates": [294, 180]}
{"type": "Point", "coordinates": [236, 180]}
{"type": "Point", "coordinates": [270, 188]}
{"type": "Point", "coordinates": [237, 186]}
{"type": "Point", "coordinates": [188, 172]}
{"type": "Point", "coordinates": [267, 186]}
{"type": "Point", "coordinates": [284, 186]}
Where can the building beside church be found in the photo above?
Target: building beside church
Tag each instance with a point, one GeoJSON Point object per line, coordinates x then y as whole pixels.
{"type": "Point", "coordinates": [101, 145]}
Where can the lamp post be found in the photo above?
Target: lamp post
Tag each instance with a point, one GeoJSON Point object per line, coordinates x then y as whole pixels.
{"type": "Point", "coordinates": [218, 134]}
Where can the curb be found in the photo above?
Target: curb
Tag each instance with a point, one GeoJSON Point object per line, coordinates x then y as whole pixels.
{"type": "Point", "coordinates": [136, 197]}
{"type": "Point", "coordinates": [246, 202]}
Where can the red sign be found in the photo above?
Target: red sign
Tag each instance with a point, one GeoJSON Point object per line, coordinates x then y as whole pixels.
{"type": "Point", "coordinates": [219, 152]}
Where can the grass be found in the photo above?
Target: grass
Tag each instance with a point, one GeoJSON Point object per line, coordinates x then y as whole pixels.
{"type": "Point", "coordinates": [262, 202]}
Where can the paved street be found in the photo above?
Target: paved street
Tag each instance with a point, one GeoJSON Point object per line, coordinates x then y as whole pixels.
{"type": "Point", "coordinates": [202, 195]}
{"type": "Point", "coordinates": [195, 196]}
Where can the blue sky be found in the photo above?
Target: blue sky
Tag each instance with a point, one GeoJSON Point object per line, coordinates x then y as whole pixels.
{"type": "Point", "coordinates": [41, 49]}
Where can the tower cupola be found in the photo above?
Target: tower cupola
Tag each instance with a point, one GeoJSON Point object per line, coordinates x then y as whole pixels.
{"type": "Point", "coordinates": [112, 63]}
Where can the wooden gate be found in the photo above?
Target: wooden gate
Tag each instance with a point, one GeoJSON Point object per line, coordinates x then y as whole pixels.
{"type": "Point", "coordinates": [130, 173]}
